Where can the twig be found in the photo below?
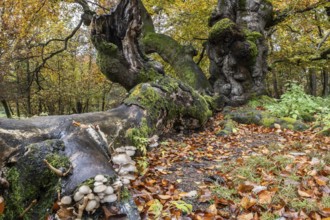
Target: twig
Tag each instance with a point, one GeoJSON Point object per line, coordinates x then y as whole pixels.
{"type": "Point", "coordinates": [28, 208]}
{"type": "Point", "coordinates": [57, 171]}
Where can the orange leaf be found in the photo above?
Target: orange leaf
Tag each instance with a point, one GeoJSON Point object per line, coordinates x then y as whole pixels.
{"type": "Point", "coordinates": [304, 193]}
{"type": "Point", "coordinates": [164, 197]}
{"type": "Point", "coordinates": [244, 188]}
{"type": "Point", "coordinates": [212, 209]}
{"type": "Point", "coordinates": [245, 217]}
{"type": "Point", "coordinates": [265, 197]}
{"type": "Point", "coordinates": [321, 180]}
{"type": "Point", "coordinates": [247, 203]}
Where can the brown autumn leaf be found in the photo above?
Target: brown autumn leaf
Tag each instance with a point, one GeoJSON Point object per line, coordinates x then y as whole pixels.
{"type": "Point", "coordinates": [2, 205]}
{"type": "Point", "coordinates": [321, 180]}
{"type": "Point", "coordinates": [212, 209]}
{"type": "Point", "coordinates": [265, 197]}
{"type": "Point", "coordinates": [248, 216]}
{"type": "Point", "coordinates": [164, 197]}
{"type": "Point", "coordinates": [65, 214]}
{"type": "Point", "coordinates": [206, 196]}
{"type": "Point", "coordinates": [243, 188]}
{"type": "Point", "coordinates": [307, 194]}
{"type": "Point", "coordinates": [247, 203]}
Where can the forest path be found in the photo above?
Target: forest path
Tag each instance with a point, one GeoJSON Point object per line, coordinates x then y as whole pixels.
{"type": "Point", "coordinates": [255, 173]}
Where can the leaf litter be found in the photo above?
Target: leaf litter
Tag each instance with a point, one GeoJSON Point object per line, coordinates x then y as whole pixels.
{"type": "Point", "coordinates": [255, 173]}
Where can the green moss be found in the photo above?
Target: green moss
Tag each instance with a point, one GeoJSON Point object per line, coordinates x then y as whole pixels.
{"type": "Point", "coordinates": [30, 179]}
{"type": "Point", "coordinates": [268, 121]}
{"type": "Point", "coordinates": [219, 28]}
{"type": "Point", "coordinates": [253, 49]}
{"type": "Point", "coordinates": [157, 98]}
{"type": "Point", "coordinates": [252, 35]}
{"type": "Point", "coordinates": [228, 128]}
{"type": "Point", "coordinates": [289, 120]}
{"type": "Point", "coordinates": [139, 136]}
{"type": "Point", "coordinates": [125, 195]}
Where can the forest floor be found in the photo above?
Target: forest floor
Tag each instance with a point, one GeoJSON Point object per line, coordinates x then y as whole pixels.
{"type": "Point", "coordinates": [254, 173]}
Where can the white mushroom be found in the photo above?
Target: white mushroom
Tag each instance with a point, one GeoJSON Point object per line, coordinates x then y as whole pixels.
{"type": "Point", "coordinates": [66, 200]}
{"type": "Point", "coordinates": [128, 176]}
{"type": "Point", "coordinates": [101, 195]}
{"type": "Point", "coordinates": [99, 178]}
{"type": "Point", "coordinates": [110, 198]}
{"type": "Point", "coordinates": [91, 196]}
{"type": "Point", "coordinates": [78, 196]}
{"type": "Point", "coordinates": [117, 184]}
{"type": "Point", "coordinates": [126, 169]}
{"type": "Point", "coordinates": [109, 190]}
{"type": "Point", "coordinates": [84, 189]}
{"type": "Point", "coordinates": [98, 183]}
{"type": "Point", "coordinates": [100, 188]}
{"type": "Point", "coordinates": [121, 159]}
{"type": "Point", "coordinates": [130, 152]}
{"type": "Point", "coordinates": [126, 181]}
{"type": "Point", "coordinates": [91, 205]}
{"type": "Point", "coordinates": [130, 148]}
{"type": "Point", "coordinates": [120, 150]}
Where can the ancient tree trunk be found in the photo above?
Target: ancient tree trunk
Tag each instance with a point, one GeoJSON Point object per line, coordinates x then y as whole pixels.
{"type": "Point", "coordinates": [126, 35]}
{"type": "Point", "coordinates": [237, 48]}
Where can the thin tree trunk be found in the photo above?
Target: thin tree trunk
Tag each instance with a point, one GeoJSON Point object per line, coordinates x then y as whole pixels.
{"type": "Point", "coordinates": [6, 107]}
{"type": "Point", "coordinates": [312, 82]}
{"type": "Point", "coordinates": [326, 89]}
{"type": "Point", "coordinates": [28, 90]}
{"type": "Point", "coordinates": [275, 85]}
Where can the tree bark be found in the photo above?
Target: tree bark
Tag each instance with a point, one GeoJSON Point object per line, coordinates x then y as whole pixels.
{"type": "Point", "coordinates": [237, 49]}
{"type": "Point", "coordinates": [312, 82]}
{"type": "Point", "coordinates": [6, 107]}
{"type": "Point", "coordinates": [326, 89]}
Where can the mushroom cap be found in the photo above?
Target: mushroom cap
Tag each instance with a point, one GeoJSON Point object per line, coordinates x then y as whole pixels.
{"type": "Point", "coordinates": [91, 205]}
{"type": "Point", "coordinates": [109, 190]}
{"type": "Point", "coordinates": [120, 150]}
{"type": "Point", "coordinates": [84, 189]}
{"type": "Point", "coordinates": [126, 169]}
{"type": "Point", "coordinates": [98, 183]}
{"type": "Point", "coordinates": [130, 152]}
{"type": "Point", "coordinates": [109, 198]}
{"type": "Point", "coordinates": [91, 196]}
{"type": "Point", "coordinates": [126, 181]}
{"type": "Point", "coordinates": [99, 178]}
{"type": "Point", "coordinates": [121, 159]}
{"type": "Point", "coordinates": [130, 148]}
{"type": "Point", "coordinates": [128, 176]}
{"type": "Point", "coordinates": [117, 184]}
{"type": "Point", "coordinates": [78, 196]}
{"type": "Point", "coordinates": [100, 188]}
{"type": "Point", "coordinates": [66, 200]}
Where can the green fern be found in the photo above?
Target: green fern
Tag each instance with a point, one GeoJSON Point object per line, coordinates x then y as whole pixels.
{"type": "Point", "coordinates": [183, 206]}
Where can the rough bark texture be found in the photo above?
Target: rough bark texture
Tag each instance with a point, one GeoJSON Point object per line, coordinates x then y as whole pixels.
{"type": "Point", "coordinates": [123, 38]}
{"type": "Point", "coordinates": [237, 48]}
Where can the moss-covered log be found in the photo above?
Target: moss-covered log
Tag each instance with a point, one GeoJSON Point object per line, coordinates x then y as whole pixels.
{"type": "Point", "coordinates": [85, 142]}
{"type": "Point", "coordinates": [251, 116]}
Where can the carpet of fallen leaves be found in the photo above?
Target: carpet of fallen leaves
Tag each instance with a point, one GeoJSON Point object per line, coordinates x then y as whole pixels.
{"type": "Point", "coordinates": [255, 173]}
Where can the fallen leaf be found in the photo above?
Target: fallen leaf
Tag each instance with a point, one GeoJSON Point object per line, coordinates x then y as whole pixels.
{"type": "Point", "coordinates": [192, 193]}
{"type": "Point", "coordinates": [243, 188]}
{"type": "Point", "coordinates": [212, 209]}
{"type": "Point", "coordinates": [305, 193]}
{"type": "Point", "coordinates": [247, 203]}
{"type": "Point", "coordinates": [164, 197]}
{"type": "Point", "coordinates": [245, 217]}
{"type": "Point", "coordinates": [321, 180]}
{"type": "Point", "coordinates": [265, 197]}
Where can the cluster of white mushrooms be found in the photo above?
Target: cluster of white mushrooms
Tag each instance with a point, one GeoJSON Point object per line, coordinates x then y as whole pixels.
{"type": "Point", "coordinates": [87, 199]}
